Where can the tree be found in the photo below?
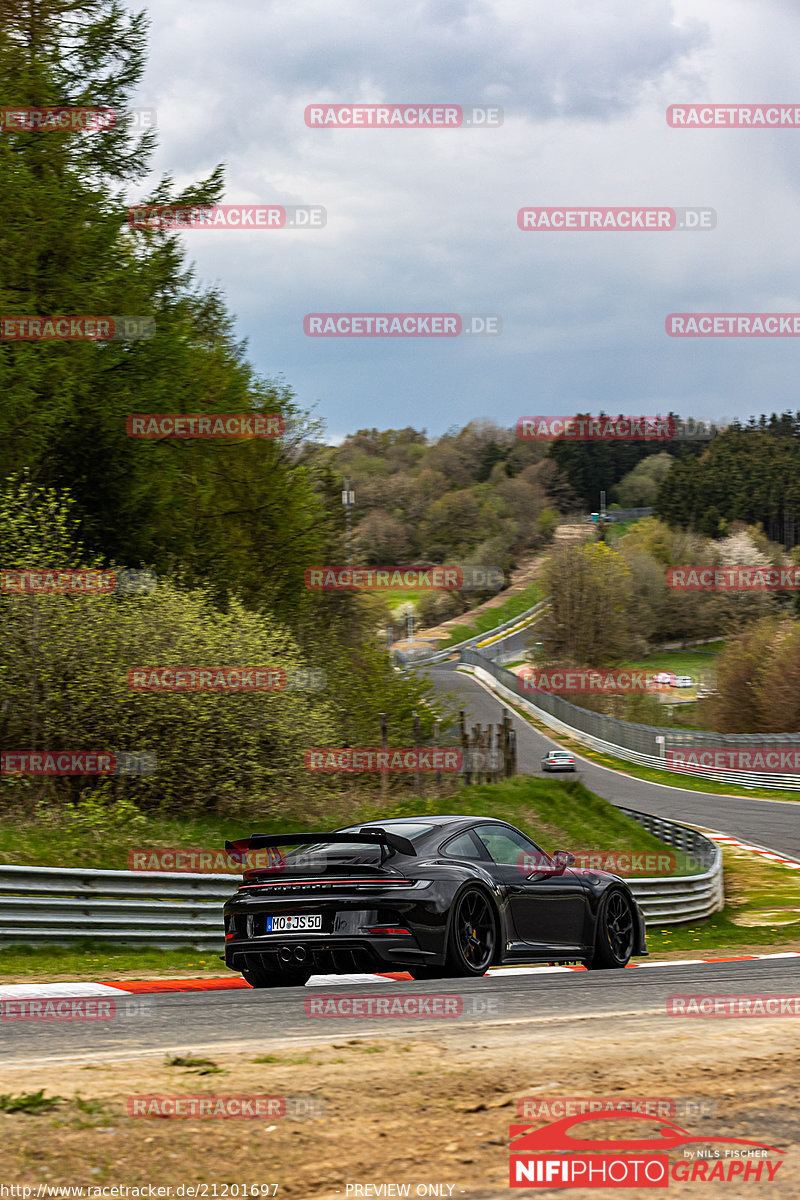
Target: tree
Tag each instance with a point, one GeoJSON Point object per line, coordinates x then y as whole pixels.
{"type": "Point", "coordinates": [639, 488]}
{"type": "Point", "coordinates": [758, 680]}
{"type": "Point", "coordinates": [588, 621]}
{"type": "Point", "coordinates": [241, 517]}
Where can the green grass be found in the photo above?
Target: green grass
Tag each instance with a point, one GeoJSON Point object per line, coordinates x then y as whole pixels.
{"type": "Point", "coordinates": [105, 838]}
{"type": "Point", "coordinates": [492, 617]}
{"type": "Point", "coordinates": [199, 1066]}
{"type": "Point", "coordinates": [756, 892]}
{"type": "Point", "coordinates": [682, 662]}
{"type": "Point", "coordinates": [28, 1102]}
{"type": "Point", "coordinates": [556, 809]}
{"type": "Point", "coordinates": [96, 960]}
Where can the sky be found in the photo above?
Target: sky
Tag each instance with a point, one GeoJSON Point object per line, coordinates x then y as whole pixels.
{"type": "Point", "coordinates": [425, 221]}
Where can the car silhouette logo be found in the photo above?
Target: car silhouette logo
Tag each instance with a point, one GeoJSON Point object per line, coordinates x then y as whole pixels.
{"type": "Point", "coordinates": [556, 1136]}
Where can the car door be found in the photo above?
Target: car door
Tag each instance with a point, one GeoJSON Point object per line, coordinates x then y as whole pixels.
{"type": "Point", "coordinates": [549, 911]}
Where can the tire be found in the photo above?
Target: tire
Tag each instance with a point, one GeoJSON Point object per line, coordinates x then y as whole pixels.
{"type": "Point", "coordinates": [472, 938]}
{"type": "Point", "coordinates": [615, 934]}
{"type": "Point", "coordinates": [259, 976]}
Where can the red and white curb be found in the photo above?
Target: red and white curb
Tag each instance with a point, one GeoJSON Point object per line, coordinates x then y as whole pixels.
{"type": "Point", "coordinates": [151, 987]}
{"type": "Point", "coordinates": [773, 857]}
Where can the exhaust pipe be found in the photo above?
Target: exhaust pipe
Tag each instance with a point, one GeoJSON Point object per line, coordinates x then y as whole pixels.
{"type": "Point", "coordinates": [300, 954]}
{"type": "Point", "coordinates": [285, 954]}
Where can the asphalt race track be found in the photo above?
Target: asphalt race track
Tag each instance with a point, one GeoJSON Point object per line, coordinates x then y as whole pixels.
{"type": "Point", "coordinates": [179, 1021]}
{"type": "Point", "coordinates": [771, 823]}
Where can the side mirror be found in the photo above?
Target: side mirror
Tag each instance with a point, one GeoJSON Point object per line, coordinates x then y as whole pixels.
{"type": "Point", "coordinates": [530, 865]}
{"type": "Point", "coordinates": [561, 860]}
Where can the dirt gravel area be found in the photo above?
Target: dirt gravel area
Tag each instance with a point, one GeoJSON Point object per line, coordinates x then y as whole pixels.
{"type": "Point", "coordinates": [430, 1110]}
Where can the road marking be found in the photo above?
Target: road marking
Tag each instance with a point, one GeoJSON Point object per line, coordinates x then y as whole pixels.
{"type": "Point", "coordinates": [226, 983]}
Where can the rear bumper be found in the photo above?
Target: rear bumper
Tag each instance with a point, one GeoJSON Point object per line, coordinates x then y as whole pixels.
{"type": "Point", "coordinates": [323, 954]}
{"type": "Point", "coordinates": [358, 931]}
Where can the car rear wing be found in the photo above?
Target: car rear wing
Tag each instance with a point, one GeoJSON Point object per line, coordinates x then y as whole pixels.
{"type": "Point", "coordinates": [390, 842]}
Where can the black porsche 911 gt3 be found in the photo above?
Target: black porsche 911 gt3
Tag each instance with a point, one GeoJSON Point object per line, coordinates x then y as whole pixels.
{"type": "Point", "coordinates": [433, 896]}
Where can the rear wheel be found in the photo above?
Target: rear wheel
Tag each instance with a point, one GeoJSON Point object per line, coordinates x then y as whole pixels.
{"type": "Point", "coordinates": [613, 945]}
{"type": "Point", "coordinates": [473, 933]}
{"type": "Point", "coordinates": [259, 976]}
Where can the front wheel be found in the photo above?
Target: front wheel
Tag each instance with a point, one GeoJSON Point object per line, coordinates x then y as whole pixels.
{"type": "Point", "coordinates": [613, 944]}
{"type": "Point", "coordinates": [471, 943]}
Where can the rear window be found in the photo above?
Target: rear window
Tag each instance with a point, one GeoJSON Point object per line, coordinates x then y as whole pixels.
{"type": "Point", "coordinates": [411, 829]}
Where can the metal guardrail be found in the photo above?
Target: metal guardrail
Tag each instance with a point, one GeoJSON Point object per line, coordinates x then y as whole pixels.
{"type": "Point", "coordinates": [646, 745]}
{"type": "Point", "coordinates": [672, 899]}
{"type": "Point", "coordinates": [477, 638]}
{"type": "Point", "coordinates": [54, 905]}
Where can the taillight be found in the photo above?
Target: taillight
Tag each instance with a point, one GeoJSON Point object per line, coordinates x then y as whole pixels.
{"type": "Point", "coordinates": [389, 931]}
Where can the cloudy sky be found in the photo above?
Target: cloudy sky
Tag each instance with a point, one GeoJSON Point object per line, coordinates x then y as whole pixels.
{"type": "Point", "coordinates": [425, 220]}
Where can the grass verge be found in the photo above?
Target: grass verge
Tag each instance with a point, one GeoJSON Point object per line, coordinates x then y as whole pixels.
{"type": "Point", "coordinates": [556, 813]}
{"type": "Point", "coordinates": [493, 617]}
{"type": "Point", "coordinates": [762, 911]}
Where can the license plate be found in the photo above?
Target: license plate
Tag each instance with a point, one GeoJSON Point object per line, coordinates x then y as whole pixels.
{"type": "Point", "coordinates": [294, 922]}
